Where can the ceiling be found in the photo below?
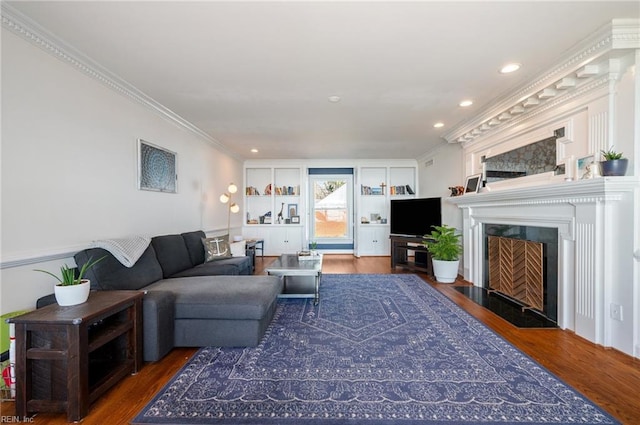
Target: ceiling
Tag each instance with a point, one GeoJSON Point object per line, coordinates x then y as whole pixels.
{"type": "Point", "coordinates": [259, 74]}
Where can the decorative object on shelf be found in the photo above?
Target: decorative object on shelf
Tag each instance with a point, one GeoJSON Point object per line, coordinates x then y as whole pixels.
{"type": "Point", "coordinates": [288, 190]}
{"type": "Point", "coordinates": [252, 191]}
{"type": "Point", "coordinates": [443, 243]}
{"type": "Point", "coordinates": [293, 209]}
{"type": "Point", "coordinates": [266, 218]}
{"type": "Point", "coordinates": [280, 215]}
{"type": "Point", "coordinates": [307, 255]}
{"type": "Point", "coordinates": [225, 198]}
{"type": "Point", "coordinates": [295, 219]}
{"type": "Point", "coordinates": [584, 168]}
{"type": "Point", "coordinates": [472, 184]}
{"type": "Point", "coordinates": [72, 290]}
{"type": "Point", "coordinates": [267, 190]}
{"type": "Point", "coordinates": [156, 168]}
{"type": "Point", "coordinates": [614, 164]}
{"type": "Point", "coordinates": [456, 190]}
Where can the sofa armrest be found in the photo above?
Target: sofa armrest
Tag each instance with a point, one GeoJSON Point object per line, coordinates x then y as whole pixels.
{"type": "Point", "coordinates": [158, 312]}
{"type": "Point", "coordinates": [46, 300]}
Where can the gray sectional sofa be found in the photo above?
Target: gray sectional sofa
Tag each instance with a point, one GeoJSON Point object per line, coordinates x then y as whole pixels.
{"type": "Point", "coordinates": [189, 302]}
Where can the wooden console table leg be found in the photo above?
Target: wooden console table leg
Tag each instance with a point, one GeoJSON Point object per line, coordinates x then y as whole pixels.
{"type": "Point", "coordinates": [77, 374]}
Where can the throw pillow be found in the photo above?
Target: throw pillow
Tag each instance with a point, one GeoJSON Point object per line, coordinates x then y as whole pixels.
{"type": "Point", "coordinates": [216, 248]}
{"type": "Point", "coordinates": [238, 249]}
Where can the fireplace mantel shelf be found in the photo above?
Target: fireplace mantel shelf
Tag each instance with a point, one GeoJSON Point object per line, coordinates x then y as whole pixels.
{"type": "Point", "coordinates": [580, 191]}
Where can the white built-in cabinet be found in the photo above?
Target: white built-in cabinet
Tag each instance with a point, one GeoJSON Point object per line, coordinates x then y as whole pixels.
{"type": "Point", "coordinates": [273, 208]}
{"type": "Point", "coordinates": [376, 187]}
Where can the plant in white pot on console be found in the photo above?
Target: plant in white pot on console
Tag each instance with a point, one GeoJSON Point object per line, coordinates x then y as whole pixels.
{"type": "Point", "coordinates": [444, 246]}
{"type": "Point", "coordinates": [72, 289]}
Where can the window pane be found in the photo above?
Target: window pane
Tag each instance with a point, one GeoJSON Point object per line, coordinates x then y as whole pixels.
{"type": "Point", "coordinates": [330, 209]}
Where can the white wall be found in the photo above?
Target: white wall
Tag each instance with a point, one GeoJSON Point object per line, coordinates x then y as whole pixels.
{"type": "Point", "coordinates": [69, 169]}
{"type": "Point", "coordinates": [445, 169]}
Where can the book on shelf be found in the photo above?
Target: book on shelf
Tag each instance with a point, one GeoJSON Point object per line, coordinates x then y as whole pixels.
{"type": "Point", "coordinates": [252, 191]}
{"type": "Point", "coordinates": [287, 190]}
{"type": "Point", "coordinates": [402, 190]}
{"type": "Point", "coordinates": [368, 190]}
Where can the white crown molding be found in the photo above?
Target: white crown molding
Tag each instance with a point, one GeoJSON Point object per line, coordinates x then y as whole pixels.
{"type": "Point", "coordinates": [619, 34]}
{"type": "Point", "coordinates": [567, 97]}
{"type": "Point", "coordinates": [32, 32]}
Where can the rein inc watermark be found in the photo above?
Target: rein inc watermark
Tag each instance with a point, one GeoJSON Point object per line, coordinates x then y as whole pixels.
{"type": "Point", "coordinates": [16, 419]}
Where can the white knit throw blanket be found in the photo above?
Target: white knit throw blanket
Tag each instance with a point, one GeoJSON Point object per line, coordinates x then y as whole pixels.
{"type": "Point", "coordinates": [126, 250]}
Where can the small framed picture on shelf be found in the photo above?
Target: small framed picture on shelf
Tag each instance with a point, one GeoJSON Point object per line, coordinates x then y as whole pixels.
{"type": "Point", "coordinates": [584, 167]}
{"type": "Point", "coordinates": [295, 219]}
{"type": "Point", "coordinates": [472, 185]}
{"type": "Point", "coordinates": [293, 210]}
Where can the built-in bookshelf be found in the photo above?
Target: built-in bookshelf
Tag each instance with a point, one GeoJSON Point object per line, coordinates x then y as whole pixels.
{"type": "Point", "coordinates": [378, 186]}
{"type": "Point", "coordinates": [273, 208]}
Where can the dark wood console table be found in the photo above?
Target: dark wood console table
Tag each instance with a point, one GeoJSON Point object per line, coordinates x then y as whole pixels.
{"type": "Point", "coordinates": [67, 357]}
{"type": "Point", "coordinates": [400, 247]}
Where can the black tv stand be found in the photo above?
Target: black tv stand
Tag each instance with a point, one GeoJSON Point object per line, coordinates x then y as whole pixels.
{"type": "Point", "coordinates": [400, 247]}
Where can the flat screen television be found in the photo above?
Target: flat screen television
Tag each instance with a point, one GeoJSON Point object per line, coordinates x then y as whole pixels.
{"type": "Point", "coordinates": [414, 217]}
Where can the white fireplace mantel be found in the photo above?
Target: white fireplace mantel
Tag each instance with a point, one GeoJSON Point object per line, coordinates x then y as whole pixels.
{"type": "Point", "coordinates": [597, 269]}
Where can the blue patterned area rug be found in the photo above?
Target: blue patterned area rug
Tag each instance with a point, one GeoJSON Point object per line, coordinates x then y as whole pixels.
{"type": "Point", "coordinates": [377, 349]}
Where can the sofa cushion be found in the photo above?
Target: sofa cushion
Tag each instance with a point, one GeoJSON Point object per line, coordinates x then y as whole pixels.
{"type": "Point", "coordinates": [111, 274]}
{"type": "Point", "coordinates": [216, 248]}
{"type": "Point", "coordinates": [193, 240]}
{"type": "Point", "coordinates": [222, 297]}
{"type": "Point", "coordinates": [172, 254]}
{"type": "Point", "coordinates": [238, 249]}
{"type": "Point", "coordinates": [226, 266]}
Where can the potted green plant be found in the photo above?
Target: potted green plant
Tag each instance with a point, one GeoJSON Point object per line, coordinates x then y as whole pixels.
{"type": "Point", "coordinates": [614, 163]}
{"type": "Point", "coordinates": [443, 243]}
{"type": "Point", "coordinates": [72, 289]}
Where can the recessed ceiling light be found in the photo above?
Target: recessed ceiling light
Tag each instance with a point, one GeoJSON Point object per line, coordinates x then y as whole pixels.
{"type": "Point", "coordinates": [438, 124]}
{"type": "Point", "coordinates": [465, 103]}
{"type": "Point", "coordinates": [254, 150]}
{"type": "Point", "coordinates": [510, 67]}
{"type": "Point", "coordinates": [334, 99]}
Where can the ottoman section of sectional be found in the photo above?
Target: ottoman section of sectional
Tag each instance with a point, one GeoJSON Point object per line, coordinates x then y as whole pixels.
{"type": "Point", "coordinates": [225, 311]}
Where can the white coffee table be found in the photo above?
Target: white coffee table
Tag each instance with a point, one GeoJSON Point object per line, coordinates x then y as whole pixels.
{"type": "Point", "coordinates": [301, 278]}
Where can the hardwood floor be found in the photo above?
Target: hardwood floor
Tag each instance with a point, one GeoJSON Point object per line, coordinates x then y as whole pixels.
{"type": "Point", "coordinates": [605, 376]}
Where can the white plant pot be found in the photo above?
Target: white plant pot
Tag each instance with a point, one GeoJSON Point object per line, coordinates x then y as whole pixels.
{"type": "Point", "coordinates": [72, 294]}
{"type": "Point", "coordinates": [445, 271]}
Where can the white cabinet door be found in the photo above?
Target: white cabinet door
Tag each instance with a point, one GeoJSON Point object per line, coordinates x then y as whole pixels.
{"type": "Point", "coordinates": [283, 240]}
{"type": "Point", "coordinates": [373, 240]}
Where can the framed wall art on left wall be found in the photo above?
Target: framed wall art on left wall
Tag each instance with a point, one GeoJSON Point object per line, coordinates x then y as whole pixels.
{"type": "Point", "coordinates": [157, 168]}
